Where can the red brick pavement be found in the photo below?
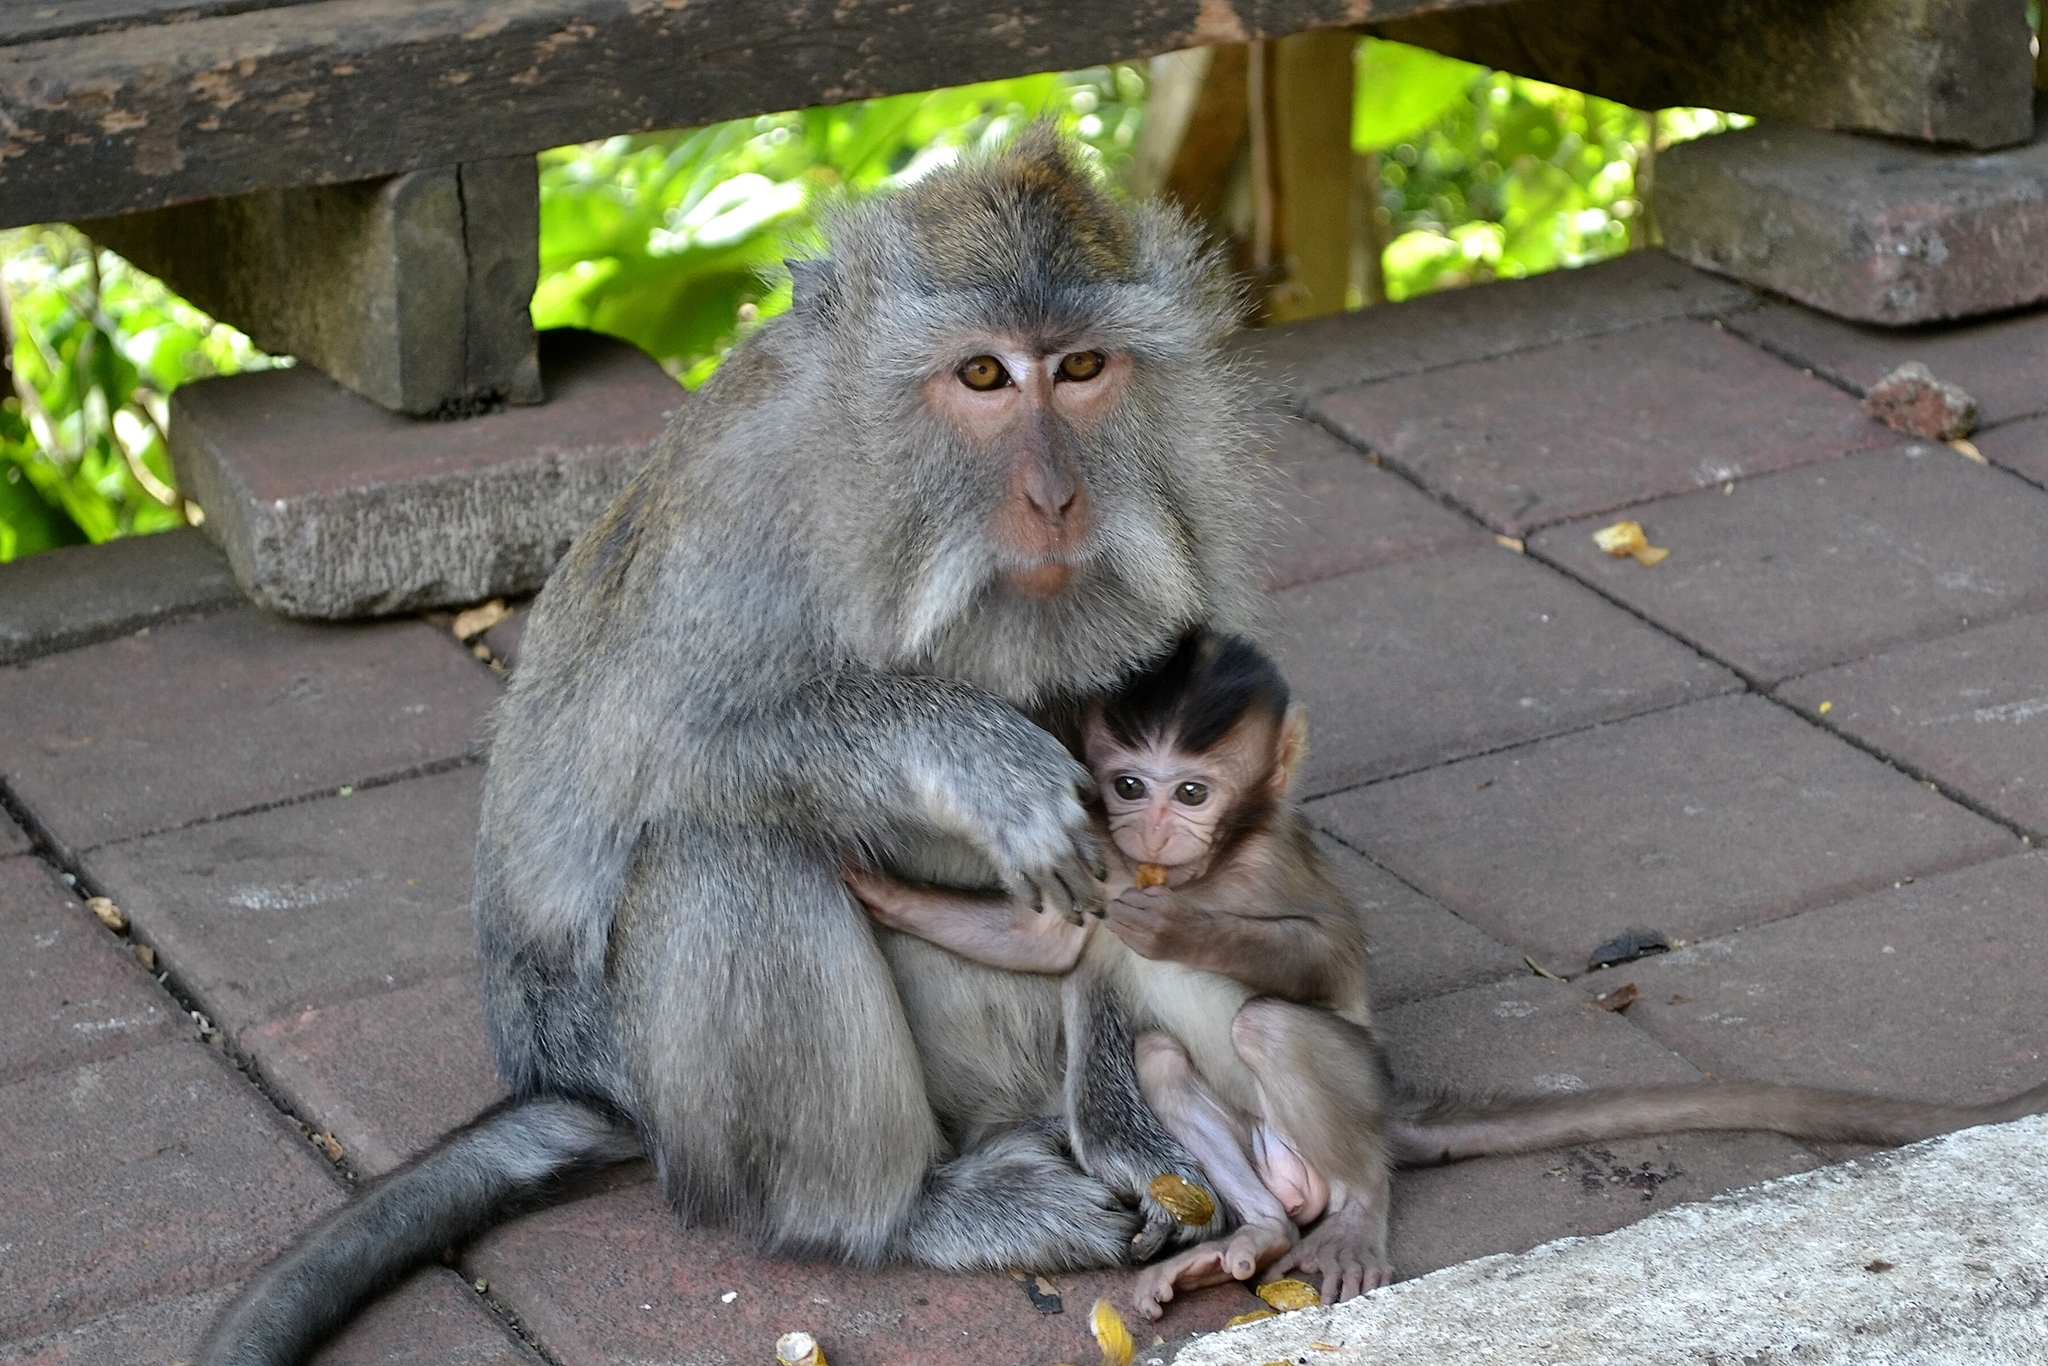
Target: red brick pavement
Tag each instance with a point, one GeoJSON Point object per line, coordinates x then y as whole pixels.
{"type": "Point", "coordinates": [1515, 754]}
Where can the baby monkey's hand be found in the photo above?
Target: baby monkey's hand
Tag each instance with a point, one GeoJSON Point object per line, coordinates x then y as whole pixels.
{"type": "Point", "coordinates": [1159, 923]}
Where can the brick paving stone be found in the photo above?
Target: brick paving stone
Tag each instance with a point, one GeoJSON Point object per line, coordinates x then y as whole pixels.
{"type": "Point", "coordinates": [615, 1277]}
{"type": "Point", "coordinates": [1531, 1036]}
{"type": "Point", "coordinates": [434, 1318]}
{"type": "Point", "coordinates": [1528, 440]}
{"type": "Point", "coordinates": [1692, 821]}
{"type": "Point", "coordinates": [1415, 663]}
{"type": "Point", "coordinates": [1419, 949]}
{"type": "Point", "coordinates": [75, 595]}
{"type": "Point", "coordinates": [1930, 990]}
{"type": "Point", "coordinates": [2021, 447]}
{"type": "Point", "coordinates": [307, 904]}
{"type": "Point", "coordinates": [2003, 363]}
{"type": "Point", "coordinates": [73, 993]}
{"type": "Point", "coordinates": [1302, 360]}
{"type": "Point", "coordinates": [153, 1174]}
{"type": "Point", "coordinates": [1969, 711]}
{"type": "Point", "coordinates": [1341, 514]}
{"type": "Point", "coordinates": [385, 1074]}
{"type": "Point", "coordinates": [1809, 568]}
{"type": "Point", "coordinates": [230, 712]}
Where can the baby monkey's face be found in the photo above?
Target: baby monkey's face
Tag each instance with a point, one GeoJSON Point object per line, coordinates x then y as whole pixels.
{"type": "Point", "coordinates": [1165, 804]}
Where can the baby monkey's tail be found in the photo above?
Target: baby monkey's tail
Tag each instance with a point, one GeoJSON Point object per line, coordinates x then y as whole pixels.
{"type": "Point", "coordinates": [1426, 1130]}
{"type": "Point", "coordinates": [474, 1177]}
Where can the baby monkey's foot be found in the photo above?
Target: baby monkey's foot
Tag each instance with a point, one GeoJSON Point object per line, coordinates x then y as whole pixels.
{"type": "Point", "coordinates": [1217, 1262]}
{"type": "Point", "coordinates": [1348, 1252]}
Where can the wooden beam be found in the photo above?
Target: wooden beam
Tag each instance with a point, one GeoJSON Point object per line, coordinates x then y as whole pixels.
{"type": "Point", "coordinates": [173, 101]}
{"type": "Point", "coordinates": [1302, 172]}
{"type": "Point", "coordinates": [1194, 129]}
{"type": "Point", "coordinates": [1945, 71]}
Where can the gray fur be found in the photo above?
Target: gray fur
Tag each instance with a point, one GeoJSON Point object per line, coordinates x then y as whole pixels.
{"type": "Point", "coordinates": [785, 644]}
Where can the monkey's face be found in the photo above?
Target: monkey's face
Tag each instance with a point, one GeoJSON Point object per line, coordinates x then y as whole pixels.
{"type": "Point", "coordinates": [1026, 411]}
{"type": "Point", "coordinates": [1166, 805]}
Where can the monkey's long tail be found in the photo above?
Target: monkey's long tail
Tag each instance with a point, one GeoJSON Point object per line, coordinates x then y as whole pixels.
{"type": "Point", "coordinates": [474, 1177]}
{"type": "Point", "coordinates": [1425, 1130]}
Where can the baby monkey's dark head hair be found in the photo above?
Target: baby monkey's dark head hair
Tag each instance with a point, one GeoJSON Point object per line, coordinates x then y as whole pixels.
{"type": "Point", "coordinates": [1198, 694]}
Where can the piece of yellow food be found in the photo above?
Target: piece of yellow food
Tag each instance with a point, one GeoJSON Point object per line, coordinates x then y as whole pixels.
{"type": "Point", "coordinates": [1183, 1199]}
{"type": "Point", "coordinates": [1290, 1294]}
{"type": "Point", "coordinates": [1255, 1316]}
{"type": "Point", "coordinates": [798, 1349]}
{"type": "Point", "coordinates": [1625, 540]}
{"type": "Point", "coordinates": [1150, 875]}
{"type": "Point", "coordinates": [1112, 1334]}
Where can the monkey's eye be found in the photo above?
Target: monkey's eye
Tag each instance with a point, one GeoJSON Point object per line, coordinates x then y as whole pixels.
{"type": "Point", "coordinates": [984, 373]}
{"type": "Point", "coordinates": [1129, 788]}
{"type": "Point", "coordinates": [1191, 794]}
{"type": "Point", "coordinates": [1081, 365]}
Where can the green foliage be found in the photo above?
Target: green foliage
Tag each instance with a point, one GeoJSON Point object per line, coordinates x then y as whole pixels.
{"type": "Point", "coordinates": [1487, 175]}
{"type": "Point", "coordinates": [98, 346]}
{"type": "Point", "coordinates": [675, 240]}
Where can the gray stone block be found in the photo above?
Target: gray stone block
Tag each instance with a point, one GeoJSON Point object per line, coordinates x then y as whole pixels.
{"type": "Point", "coordinates": [1863, 228]}
{"type": "Point", "coordinates": [1303, 361]}
{"type": "Point", "coordinates": [1954, 71]}
{"type": "Point", "coordinates": [81, 594]}
{"type": "Point", "coordinates": [411, 290]}
{"type": "Point", "coordinates": [330, 507]}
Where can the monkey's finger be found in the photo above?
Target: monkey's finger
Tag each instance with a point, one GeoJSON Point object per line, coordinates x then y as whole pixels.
{"type": "Point", "coordinates": [1088, 853]}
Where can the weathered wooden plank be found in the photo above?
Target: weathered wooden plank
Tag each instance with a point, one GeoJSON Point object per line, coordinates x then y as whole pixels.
{"type": "Point", "coordinates": [1947, 71]}
{"type": "Point", "coordinates": [24, 21]}
{"type": "Point", "coordinates": [109, 122]}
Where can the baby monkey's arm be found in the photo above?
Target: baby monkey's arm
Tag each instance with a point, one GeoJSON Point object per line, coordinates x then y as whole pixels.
{"type": "Point", "coordinates": [1271, 917]}
{"type": "Point", "coordinates": [995, 931]}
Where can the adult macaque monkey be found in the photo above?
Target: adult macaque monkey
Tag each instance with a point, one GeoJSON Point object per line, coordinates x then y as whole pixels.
{"type": "Point", "coordinates": [990, 462]}
{"type": "Point", "coordinates": [1285, 1103]}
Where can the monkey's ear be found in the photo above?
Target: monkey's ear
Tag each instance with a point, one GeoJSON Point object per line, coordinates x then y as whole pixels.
{"type": "Point", "coordinates": [814, 288]}
{"type": "Point", "coordinates": [1292, 747]}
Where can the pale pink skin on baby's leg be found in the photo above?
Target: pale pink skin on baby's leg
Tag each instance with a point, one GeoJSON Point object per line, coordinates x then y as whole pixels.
{"type": "Point", "coordinates": [1298, 1187]}
{"type": "Point", "coordinates": [1216, 1136]}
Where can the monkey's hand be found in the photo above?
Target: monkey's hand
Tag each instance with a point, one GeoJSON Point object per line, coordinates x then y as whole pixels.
{"type": "Point", "coordinates": [1160, 924]}
{"type": "Point", "coordinates": [1017, 797]}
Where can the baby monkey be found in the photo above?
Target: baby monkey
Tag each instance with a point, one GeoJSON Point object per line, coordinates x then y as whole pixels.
{"type": "Point", "coordinates": [1279, 1102]}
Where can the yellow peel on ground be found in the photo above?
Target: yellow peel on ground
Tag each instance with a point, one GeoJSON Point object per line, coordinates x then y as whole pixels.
{"type": "Point", "coordinates": [1183, 1199]}
{"type": "Point", "coordinates": [1625, 540]}
{"type": "Point", "coordinates": [1289, 1294]}
{"type": "Point", "coordinates": [1256, 1316]}
{"type": "Point", "coordinates": [1112, 1334]}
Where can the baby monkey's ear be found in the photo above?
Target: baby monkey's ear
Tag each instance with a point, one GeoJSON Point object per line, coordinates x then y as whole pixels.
{"type": "Point", "coordinates": [1290, 749]}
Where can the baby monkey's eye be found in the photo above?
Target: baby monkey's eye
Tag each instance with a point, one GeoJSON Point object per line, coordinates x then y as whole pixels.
{"type": "Point", "coordinates": [1081, 365]}
{"type": "Point", "coordinates": [984, 373]}
{"type": "Point", "coordinates": [1129, 788]}
{"type": "Point", "coordinates": [1191, 794]}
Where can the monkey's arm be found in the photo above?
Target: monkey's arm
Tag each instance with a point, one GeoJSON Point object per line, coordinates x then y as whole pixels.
{"type": "Point", "coordinates": [871, 757]}
{"type": "Point", "coordinates": [1273, 919]}
{"type": "Point", "coordinates": [995, 931]}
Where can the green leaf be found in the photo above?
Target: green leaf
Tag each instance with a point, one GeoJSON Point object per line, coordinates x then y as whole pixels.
{"type": "Point", "coordinates": [1400, 90]}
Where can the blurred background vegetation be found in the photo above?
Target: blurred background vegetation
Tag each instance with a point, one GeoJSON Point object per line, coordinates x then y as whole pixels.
{"type": "Point", "coordinates": [671, 241]}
